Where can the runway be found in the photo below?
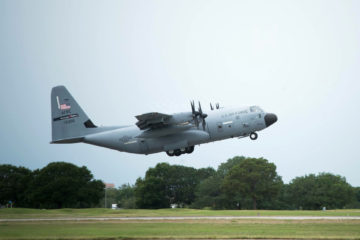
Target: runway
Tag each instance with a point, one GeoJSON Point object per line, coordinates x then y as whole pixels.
{"type": "Point", "coordinates": [183, 218]}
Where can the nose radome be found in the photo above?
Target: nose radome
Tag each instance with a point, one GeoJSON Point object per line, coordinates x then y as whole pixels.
{"type": "Point", "coordinates": [270, 118]}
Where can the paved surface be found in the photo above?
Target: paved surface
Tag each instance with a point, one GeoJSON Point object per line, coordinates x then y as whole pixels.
{"type": "Point", "coordinates": [183, 218]}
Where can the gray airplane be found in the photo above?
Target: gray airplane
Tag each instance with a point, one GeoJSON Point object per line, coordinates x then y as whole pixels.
{"type": "Point", "coordinates": [155, 132]}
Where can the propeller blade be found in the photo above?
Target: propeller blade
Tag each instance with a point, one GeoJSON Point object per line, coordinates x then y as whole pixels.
{"type": "Point", "coordinates": [194, 113]}
{"type": "Point", "coordinates": [202, 116]}
{"type": "Point", "coordinates": [211, 107]}
{"type": "Point", "coordinates": [200, 110]}
{"type": "Point", "coordinates": [217, 106]}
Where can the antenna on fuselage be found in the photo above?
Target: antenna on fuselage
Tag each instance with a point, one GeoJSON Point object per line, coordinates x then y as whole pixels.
{"type": "Point", "coordinates": [217, 106]}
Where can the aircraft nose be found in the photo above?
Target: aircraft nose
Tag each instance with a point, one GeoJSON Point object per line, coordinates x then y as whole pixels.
{"type": "Point", "coordinates": [270, 118]}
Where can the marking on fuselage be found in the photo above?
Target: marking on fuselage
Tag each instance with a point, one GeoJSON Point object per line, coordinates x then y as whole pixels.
{"type": "Point", "coordinates": [228, 122]}
{"type": "Point", "coordinates": [183, 123]}
{"type": "Point", "coordinates": [131, 142]}
{"type": "Point", "coordinates": [66, 117]}
{"type": "Point", "coordinates": [58, 102]}
{"type": "Point", "coordinates": [234, 113]}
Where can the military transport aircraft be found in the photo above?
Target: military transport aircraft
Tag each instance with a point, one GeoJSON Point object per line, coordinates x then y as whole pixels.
{"type": "Point", "coordinates": [155, 132]}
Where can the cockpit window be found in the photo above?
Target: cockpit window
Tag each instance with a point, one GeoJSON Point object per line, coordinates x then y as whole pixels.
{"type": "Point", "coordinates": [255, 109]}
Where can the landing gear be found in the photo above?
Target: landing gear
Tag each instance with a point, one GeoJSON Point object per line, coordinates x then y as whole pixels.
{"type": "Point", "coordinates": [178, 152]}
{"type": "Point", "coordinates": [189, 149]}
{"type": "Point", "coordinates": [170, 153]}
{"type": "Point", "coordinates": [253, 136]}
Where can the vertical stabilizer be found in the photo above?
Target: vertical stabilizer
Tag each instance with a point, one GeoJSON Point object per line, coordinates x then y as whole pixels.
{"type": "Point", "coordinates": [69, 122]}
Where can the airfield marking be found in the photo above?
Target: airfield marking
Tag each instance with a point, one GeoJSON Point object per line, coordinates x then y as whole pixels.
{"type": "Point", "coordinates": [185, 218]}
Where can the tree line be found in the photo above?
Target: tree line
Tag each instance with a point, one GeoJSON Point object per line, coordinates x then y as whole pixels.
{"type": "Point", "coordinates": [239, 183]}
{"type": "Point", "coordinates": [58, 185]}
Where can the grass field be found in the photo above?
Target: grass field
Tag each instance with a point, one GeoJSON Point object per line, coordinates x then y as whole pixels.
{"type": "Point", "coordinates": [176, 229]}
{"type": "Point", "coordinates": [101, 212]}
{"type": "Point", "coordinates": [346, 229]}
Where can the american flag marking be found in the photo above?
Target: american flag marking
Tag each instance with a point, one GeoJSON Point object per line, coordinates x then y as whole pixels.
{"type": "Point", "coordinates": [64, 107]}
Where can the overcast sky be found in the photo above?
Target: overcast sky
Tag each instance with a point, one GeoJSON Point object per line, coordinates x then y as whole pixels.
{"type": "Point", "coordinates": [298, 59]}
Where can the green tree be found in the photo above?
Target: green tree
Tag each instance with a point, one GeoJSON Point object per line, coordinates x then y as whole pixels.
{"type": "Point", "coordinates": [283, 200]}
{"type": "Point", "coordinates": [356, 202]}
{"type": "Point", "coordinates": [322, 190]}
{"type": "Point", "coordinates": [225, 167]}
{"type": "Point", "coordinates": [210, 195]}
{"type": "Point", "coordinates": [126, 196]}
{"type": "Point", "coordinates": [61, 184]}
{"type": "Point", "coordinates": [14, 182]}
{"type": "Point", "coordinates": [170, 184]}
{"type": "Point", "coordinates": [252, 180]}
{"type": "Point", "coordinates": [150, 193]}
{"type": "Point", "coordinates": [357, 193]}
{"type": "Point", "coordinates": [204, 173]}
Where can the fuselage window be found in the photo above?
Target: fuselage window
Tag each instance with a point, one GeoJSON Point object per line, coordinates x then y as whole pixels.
{"type": "Point", "coordinates": [255, 109]}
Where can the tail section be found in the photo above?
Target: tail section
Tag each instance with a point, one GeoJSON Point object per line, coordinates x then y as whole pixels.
{"type": "Point", "coordinates": [69, 122]}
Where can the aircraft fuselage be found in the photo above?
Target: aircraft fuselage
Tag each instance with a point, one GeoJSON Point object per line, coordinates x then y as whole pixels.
{"type": "Point", "coordinates": [220, 124]}
{"type": "Point", "coordinates": [154, 132]}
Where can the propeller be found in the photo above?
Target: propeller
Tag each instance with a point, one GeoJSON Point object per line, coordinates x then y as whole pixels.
{"type": "Point", "coordinates": [198, 114]}
{"type": "Point", "coordinates": [202, 116]}
{"type": "Point", "coordinates": [211, 107]}
{"type": "Point", "coordinates": [217, 106]}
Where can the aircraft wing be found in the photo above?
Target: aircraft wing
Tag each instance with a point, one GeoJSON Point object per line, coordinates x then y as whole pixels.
{"type": "Point", "coordinates": [152, 120]}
